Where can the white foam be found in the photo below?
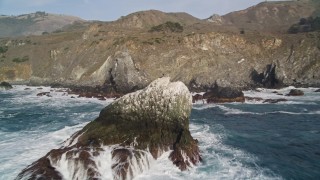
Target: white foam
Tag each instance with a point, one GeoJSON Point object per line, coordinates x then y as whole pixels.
{"type": "Point", "coordinates": [310, 96]}
{"type": "Point", "coordinates": [19, 149]}
{"type": "Point", "coordinates": [220, 161]}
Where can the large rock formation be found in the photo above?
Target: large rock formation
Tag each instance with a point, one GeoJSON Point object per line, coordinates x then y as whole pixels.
{"type": "Point", "coordinates": [130, 132]}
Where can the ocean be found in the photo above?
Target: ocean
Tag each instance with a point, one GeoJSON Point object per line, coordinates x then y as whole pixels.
{"type": "Point", "coordinates": [251, 140]}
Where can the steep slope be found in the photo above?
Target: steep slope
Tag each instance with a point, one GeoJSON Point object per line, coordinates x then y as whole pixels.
{"type": "Point", "coordinates": [130, 61]}
{"type": "Point", "coordinates": [113, 55]}
{"type": "Point", "coordinates": [34, 24]}
{"type": "Point", "coordinates": [274, 16]}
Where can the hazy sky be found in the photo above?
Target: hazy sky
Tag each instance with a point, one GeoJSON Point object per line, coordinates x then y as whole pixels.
{"type": "Point", "coordinates": [111, 10]}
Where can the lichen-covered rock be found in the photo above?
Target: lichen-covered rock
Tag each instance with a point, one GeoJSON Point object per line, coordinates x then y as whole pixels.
{"type": "Point", "coordinates": [139, 125]}
{"type": "Point", "coordinates": [5, 86]}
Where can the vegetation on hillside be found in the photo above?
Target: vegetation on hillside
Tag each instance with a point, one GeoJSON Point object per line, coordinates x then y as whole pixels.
{"type": "Point", "coordinates": [167, 27]}
{"type": "Point", "coordinates": [20, 60]}
{"type": "Point", "coordinates": [305, 25]}
{"type": "Point", "coordinates": [3, 49]}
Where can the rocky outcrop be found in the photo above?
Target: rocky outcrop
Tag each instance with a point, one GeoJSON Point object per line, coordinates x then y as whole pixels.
{"type": "Point", "coordinates": [295, 92]}
{"type": "Point", "coordinates": [133, 130]}
{"type": "Point", "coordinates": [5, 86]}
{"type": "Point", "coordinates": [269, 78]}
{"type": "Point", "coordinates": [224, 95]}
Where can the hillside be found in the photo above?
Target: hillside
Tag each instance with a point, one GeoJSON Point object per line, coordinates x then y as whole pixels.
{"type": "Point", "coordinates": [34, 24]}
{"type": "Point", "coordinates": [129, 53]}
{"type": "Point", "coordinates": [273, 16]}
{"type": "Point", "coordinates": [147, 19]}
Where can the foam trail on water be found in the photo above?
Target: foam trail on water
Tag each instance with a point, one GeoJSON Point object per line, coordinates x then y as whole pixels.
{"type": "Point", "coordinates": [219, 161]}
{"type": "Point", "coordinates": [102, 166]}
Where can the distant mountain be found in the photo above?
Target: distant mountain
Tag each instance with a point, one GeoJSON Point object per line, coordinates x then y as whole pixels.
{"type": "Point", "coordinates": [147, 19]}
{"type": "Point", "coordinates": [274, 16]}
{"type": "Point", "coordinates": [34, 23]}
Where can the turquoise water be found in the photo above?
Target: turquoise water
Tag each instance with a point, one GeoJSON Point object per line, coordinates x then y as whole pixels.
{"type": "Point", "coordinates": [237, 141]}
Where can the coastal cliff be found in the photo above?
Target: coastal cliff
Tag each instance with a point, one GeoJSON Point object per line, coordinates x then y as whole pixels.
{"type": "Point", "coordinates": [124, 55]}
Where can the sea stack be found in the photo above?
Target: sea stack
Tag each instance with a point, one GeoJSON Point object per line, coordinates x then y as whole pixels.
{"type": "Point", "coordinates": [133, 130]}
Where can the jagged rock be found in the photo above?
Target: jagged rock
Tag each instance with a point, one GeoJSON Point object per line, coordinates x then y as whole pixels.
{"type": "Point", "coordinates": [216, 19]}
{"type": "Point", "coordinates": [268, 78]}
{"type": "Point", "coordinates": [149, 121]}
{"type": "Point", "coordinates": [295, 92]}
{"type": "Point", "coordinates": [5, 86]}
{"type": "Point", "coordinates": [223, 95]}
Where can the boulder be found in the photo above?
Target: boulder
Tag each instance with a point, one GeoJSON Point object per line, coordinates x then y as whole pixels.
{"type": "Point", "coordinates": [224, 95]}
{"type": "Point", "coordinates": [318, 90]}
{"type": "Point", "coordinates": [5, 86]}
{"type": "Point", "coordinates": [131, 131]}
{"type": "Point", "coordinates": [295, 92]}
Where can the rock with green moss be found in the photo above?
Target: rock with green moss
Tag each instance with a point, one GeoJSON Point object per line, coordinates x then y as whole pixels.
{"type": "Point", "coordinates": [136, 128]}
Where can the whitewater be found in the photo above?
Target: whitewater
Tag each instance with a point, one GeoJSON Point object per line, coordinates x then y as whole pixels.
{"type": "Point", "coordinates": [251, 140]}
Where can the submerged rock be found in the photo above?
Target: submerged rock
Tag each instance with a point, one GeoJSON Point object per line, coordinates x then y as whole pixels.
{"type": "Point", "coordinates": [44, 94]}
{"type": "Point", "coordinates": [134, 129]}
{"type": "Point", "coordinates": [5, 86]}
{"type": "Point", "coordinates": [273, 101]}
{"type": "Point", "coordinates": [295, 92]}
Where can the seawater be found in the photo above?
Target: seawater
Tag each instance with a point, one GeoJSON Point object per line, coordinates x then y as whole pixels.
{"type": "Point", "coordinates": [249, 140]}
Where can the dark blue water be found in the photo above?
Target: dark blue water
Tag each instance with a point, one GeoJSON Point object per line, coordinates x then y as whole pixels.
{"type": "Point", "coordinates": [237, 141]}
{"type": "Point", "coordinates": [285, 138]}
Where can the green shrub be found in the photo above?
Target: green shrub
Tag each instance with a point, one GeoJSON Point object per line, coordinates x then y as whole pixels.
{"type": "Point", "coordinates": [20, 60]}
{"type": "Point", "coordinates": [3, 49]}
{"type": "Point", "coordinates": [167, 27]}
{"type": "Point", "coordinates": [305, 25]}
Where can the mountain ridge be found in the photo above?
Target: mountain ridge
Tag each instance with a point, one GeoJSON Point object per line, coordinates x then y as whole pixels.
{"type": "Point", "coordinates": [34, 23]}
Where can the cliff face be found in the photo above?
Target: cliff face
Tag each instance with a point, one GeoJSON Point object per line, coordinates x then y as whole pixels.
{"type": "Point", "coordinates": [106, 54]}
